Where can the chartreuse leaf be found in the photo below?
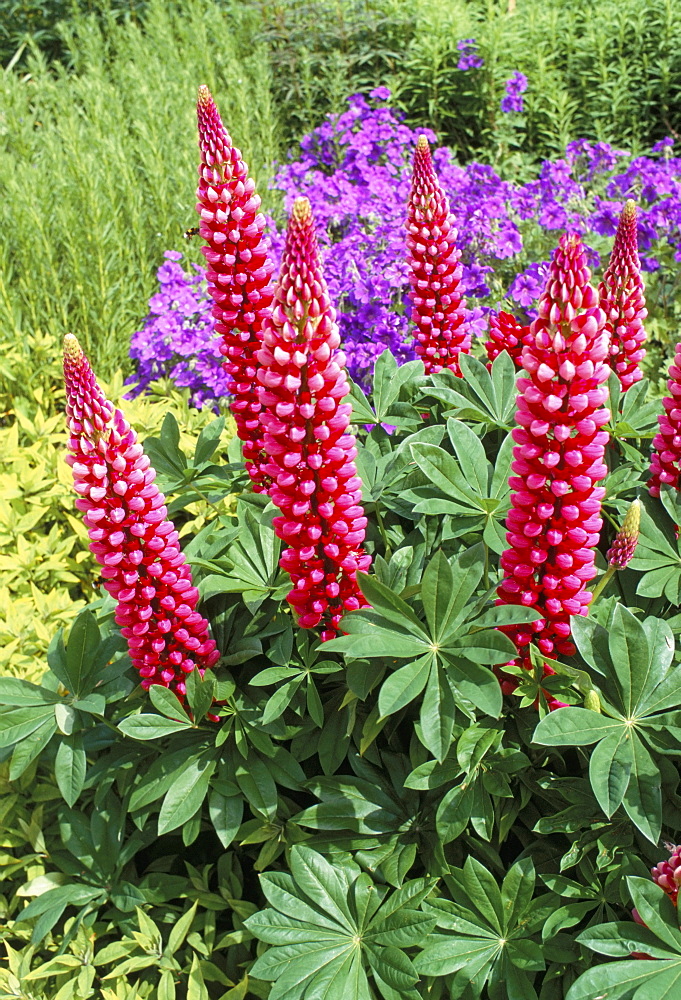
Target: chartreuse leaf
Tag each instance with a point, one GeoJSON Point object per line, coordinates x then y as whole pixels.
{"type": "Point", "coordinates": [328, 930]}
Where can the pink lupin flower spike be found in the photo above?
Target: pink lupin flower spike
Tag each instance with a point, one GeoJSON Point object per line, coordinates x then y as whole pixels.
{"type": "Point", "coordinates": [554, 521]}
{"type": "Point", "coordinates": [622, 299]}
{"type": "Point", "coordinates": [665, 459]}
{"type": "Point", "coordinates": [506, 333]}
{"type": "Point", "coordinates": [311, 454]}
{"type": "Point", "coordinates": [239, 271]}
{"type": "Point", "coordinates": [136, 545]}
{"type": "Point", "coordinates": [435, 270]}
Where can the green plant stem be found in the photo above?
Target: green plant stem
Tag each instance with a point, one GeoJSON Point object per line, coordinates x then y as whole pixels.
{"type": "Point", "coordinates": [604, 580]}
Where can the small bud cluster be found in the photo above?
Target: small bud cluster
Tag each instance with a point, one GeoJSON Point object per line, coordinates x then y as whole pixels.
{"type": "Point", "coordinates": [435, 270]}
{"type": "Point", "coordinates": [310, 452]}
{"type": "Point", "coordinates": [554, 521]}
{"type": "Point", "coordinates": [621, 552]}
{"type": "Point", "coordinates": [507, 334]}
{"type": "Point", "coordinates": [136, 545]}
{"type": "Point", "coordinates": [239, 270]}
{"type": "Point", "coordinates": [622, 299]}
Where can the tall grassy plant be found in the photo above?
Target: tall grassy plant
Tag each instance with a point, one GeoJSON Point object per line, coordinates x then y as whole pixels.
{"type": "Point", "coordinates": [97, 164]}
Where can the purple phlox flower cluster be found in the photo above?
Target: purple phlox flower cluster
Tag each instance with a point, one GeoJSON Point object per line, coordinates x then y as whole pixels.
{"type": "Point", "coordinates": [663, 145]}
{"type": "Point", "coordinates": [177, 339]}
{"type": "Point", "coordinates": [470, 56]}
{"type": "Point", "coordinates": [527, 286]}
{"type": "Point", "coordinates": [515, 88]}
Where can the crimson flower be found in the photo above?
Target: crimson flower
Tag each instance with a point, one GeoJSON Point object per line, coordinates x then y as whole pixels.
{"type": "Point", "coordinates": [239, 271]}
{"type": "Point", "coordinates": [134, 542]}
{"type": "Point", "coordinates": [310, 452]}
{"type": "Point", "coordinates": [554, 521]}
{"type": "Point", "coordinates": [665, 460]}
{"type": "Point", "coordinates": [622, 299]}
{"type": "Point", "coordinates": [506, 333]}
{"type": "Point", "coordinates": [435, 270]}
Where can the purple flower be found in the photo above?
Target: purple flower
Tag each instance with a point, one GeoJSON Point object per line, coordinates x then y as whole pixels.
{"type": "Point", "coordinates": [515, 87]}
{"type": "Point", "coordinates": [380, 94]}
{"type": "Point", "coordinates": [527, 286]}
{"type": "Point", "coordinates": [663, 144]}
{"type": "Point", "coordinates": [470, 58]}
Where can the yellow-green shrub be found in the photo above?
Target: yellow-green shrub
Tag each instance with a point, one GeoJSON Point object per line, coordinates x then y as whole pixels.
{"type": "Point", "coordinates": [47, 572]}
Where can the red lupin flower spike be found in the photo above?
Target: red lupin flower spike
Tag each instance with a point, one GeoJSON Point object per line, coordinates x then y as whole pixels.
{"type": "Point", "coordinates": [554, 521]}
{"type": "Point", "coordinates": [239, 270]}
{"type": "Point", "coordinates": [506, 333]}
{"type": "Point", "coordinates": [311, 454]}
{"type": "Point", "coordinates": [622, 299]}
{"type": "Point", "coordinates": [435, 274]}
{"type": "Point", "coordinates": [665, 460]}
{"type": "Point", "coordinates": [134, 542]}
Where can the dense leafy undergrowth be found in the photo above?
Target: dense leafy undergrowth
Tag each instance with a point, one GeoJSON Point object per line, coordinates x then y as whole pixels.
{"type": "Point", "coordinates": [422, 835]}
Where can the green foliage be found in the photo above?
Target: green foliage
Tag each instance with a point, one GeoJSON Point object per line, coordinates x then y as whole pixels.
{"type": "Point", "coordinates": [46, 570]}
{"type": "Point", "coordinates": [112, 128]}
{"type": "Point", "coordinates": [419, 835]}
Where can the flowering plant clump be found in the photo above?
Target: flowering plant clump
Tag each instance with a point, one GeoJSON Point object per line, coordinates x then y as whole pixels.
{"type": "Point", "coordinates": [554, 524]}
{"type": "Point", "coordinates": [136, 545]}
{"type": "Point", "coordinates": [622, 298]}
{"type": "Point", "coordinates": [239, 270]}
{"type": "Point", "coordinates": [515, 88]}
{"type": "Point", "coordinates": [311, 454]}
{"type": "Point", "coordinates": [435, 272]}
{"type": "Point", "coordinates": [423, 739]}
{"type": "Point", "coordinates": [355, 168]}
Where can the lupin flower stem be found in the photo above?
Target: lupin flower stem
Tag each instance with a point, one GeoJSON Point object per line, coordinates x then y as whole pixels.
{"type": "Point", "coordinates": [136, 545]}
{"type": "Point", "coordinates": [622, 299]}
{"type": "Point", "coordinates": [239, 271]}
{"type": "Point", "coordinates": [310, 451]}
{"type": "Point", "coordinates": [435, 270]}
{"type": "Point", "coordinates": [554, 521]}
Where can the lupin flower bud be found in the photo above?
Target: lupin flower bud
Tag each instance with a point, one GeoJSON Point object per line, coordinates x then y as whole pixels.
{"type": "Point", "coordinates": [507, 334]}
{"type": "Point", "coordinates": [665, 460]}
{"type": "Point", "coordinates": [435, 270]}
{"type": "Point", "coordinates": [667, 874]}
{"type": "Point", "coordinates": [136, 545]}
{"type": "Point", "coordinates": [622, 299]}
{"type": "Point", "coordinates": [621, 552]}
{"type": "Point", "coordinates": [554, 521]}
{"type": "Point", "coordinates": [311, 454]}
{"type": "Point", "coordinates": [239, 271]}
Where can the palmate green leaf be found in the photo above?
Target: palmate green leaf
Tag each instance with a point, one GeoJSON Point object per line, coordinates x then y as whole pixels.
{"type": "Point", "coordinates": [475, 682]}
{"type": "Point", "coordinates": [404, 685]}
{"type": "Point", "coordinates": [657, 911]}
{"type": "Point", "coordinates": [438, 595]}
{"type": "Point", "coordinates": [322, 930]}
{"type": "Point", "coordinates": [437, 713]}
{"type": "Point", "coordinates": [630, 657]}
{"type": "Point", "coordinates": [574, 727]}
{"type": "Point", "coordinates": [609, 770]}
{"type": "Point", "coordinates": [443, 955]}
{"type": "Point", "coordinates": [391, 607]}
{"type": "Point", "coordinates": [22, 694]}
{"type": "Point", "coordinates": [454, 812]}
{"type": "Point", "coordinates": [643, 798]}
{"type": "Point", "coordinates": [632, 980]}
